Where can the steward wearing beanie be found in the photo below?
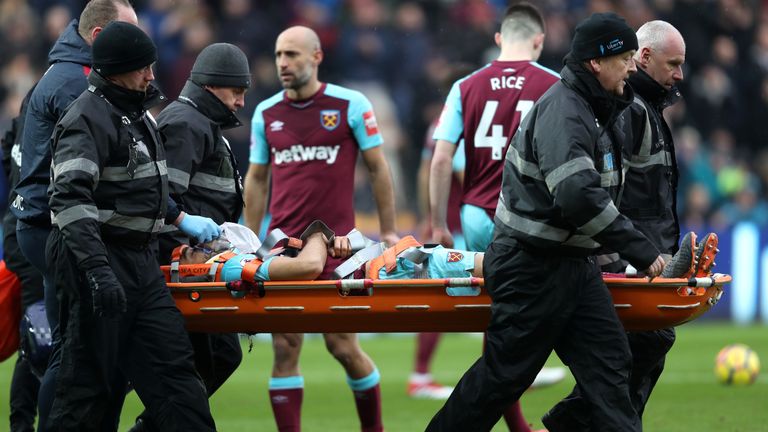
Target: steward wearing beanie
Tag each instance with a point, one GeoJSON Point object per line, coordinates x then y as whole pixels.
{"type": "Point", "coordinates": [109, 201]}
{"type": "Point", "coordinates": [555, 209]}
{"type": "Point", "coordinates": [202, 168]}
{"type": "Point", "coordinates": [203, 176]}
{"type": "Point", "coordinates": [122, 47]}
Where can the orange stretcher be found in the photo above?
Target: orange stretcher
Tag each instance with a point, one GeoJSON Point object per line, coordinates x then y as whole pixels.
{"type": "Point", "coordinates": [415, 305]}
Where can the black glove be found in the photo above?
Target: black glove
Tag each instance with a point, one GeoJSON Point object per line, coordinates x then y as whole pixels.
{"type": "Point", "coordinates": [108, 295]}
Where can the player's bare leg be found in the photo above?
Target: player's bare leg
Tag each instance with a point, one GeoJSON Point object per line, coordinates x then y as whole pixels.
{"type": "Point", "coordinates": [362, 376]}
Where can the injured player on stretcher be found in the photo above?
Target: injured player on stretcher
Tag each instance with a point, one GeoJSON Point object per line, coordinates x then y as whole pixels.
{"type": "Point", "coordinates": [241, 256]}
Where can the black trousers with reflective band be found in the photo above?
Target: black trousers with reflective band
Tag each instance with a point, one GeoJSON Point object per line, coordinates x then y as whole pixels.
{"type": "Point", "coordinates": [543, 303]}
{"type": "Point", "coordinates": [148, 345]}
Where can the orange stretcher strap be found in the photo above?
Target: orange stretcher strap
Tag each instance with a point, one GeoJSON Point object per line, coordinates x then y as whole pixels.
{"type": "Point", "coordinates": [388, 259]}
{"type": "Point", "coordinates": [249, 270]}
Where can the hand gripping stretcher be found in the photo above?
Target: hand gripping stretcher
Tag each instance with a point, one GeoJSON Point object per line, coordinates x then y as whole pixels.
{"type": "Point", "coordinates": [412, 305]}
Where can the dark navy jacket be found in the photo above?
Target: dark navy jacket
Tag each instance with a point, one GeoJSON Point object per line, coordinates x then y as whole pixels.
{"type": "Point", "coordinates": [63, 82]}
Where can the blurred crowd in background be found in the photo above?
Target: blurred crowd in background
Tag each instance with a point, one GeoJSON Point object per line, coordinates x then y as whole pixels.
{"type": "Point", "coordinates": [399, 54]}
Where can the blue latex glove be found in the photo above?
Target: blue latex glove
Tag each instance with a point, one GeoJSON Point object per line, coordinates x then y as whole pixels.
{"type": "Point", "coordinates": [203, 229]}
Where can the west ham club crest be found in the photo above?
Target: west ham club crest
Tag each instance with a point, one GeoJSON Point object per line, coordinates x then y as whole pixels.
{"type": "Point", "coordinates": [330, 119]}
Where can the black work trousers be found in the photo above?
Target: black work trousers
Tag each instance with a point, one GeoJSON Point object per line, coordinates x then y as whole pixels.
{"type": "Point", "coordinates": [217, 356]}
{"type": "Point", "coordinates": [24, 388]}
{"type": "Point", "coordinates": [540, 303]}
{"type": "Point", "coordinates": [649, 350]}
{"type": "Point", "coordinates": [148, 345]}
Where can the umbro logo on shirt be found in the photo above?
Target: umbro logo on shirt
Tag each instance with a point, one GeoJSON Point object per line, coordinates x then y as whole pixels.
{"type": "Point", "coordinates": [276, 126]}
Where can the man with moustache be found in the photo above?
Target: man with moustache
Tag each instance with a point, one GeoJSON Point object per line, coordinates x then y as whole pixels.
{"type": "Point", "coordinates": [649, 200]}
{"type": "Point", "coordinates": [561, 175]}
{"type": "Point", "coordinates": [109, 199]}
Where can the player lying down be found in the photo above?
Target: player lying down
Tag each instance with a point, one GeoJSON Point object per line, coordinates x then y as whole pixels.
{"type": "Point", "coordinates": [408, 259]}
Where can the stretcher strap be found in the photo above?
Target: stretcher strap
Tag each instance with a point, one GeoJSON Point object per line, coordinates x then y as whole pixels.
{"type": "Point", "coordinates": [358, 260]}
{"type": "Point", "coordinates": [357, 241]}
{"type": "Point", "coordinates": [274, 237]}
{"type": "Point", "coordinates": [175, 258]}
{"type": "Point", "coordinates": [388, 259]}
{"type": "Point", "coordinates": [420, 271]}
{"type": "Point", "coordinates": [318, 226]}
{"type": "Point", "coordinates": [249, 270]}
{"type": "Point", "coordinates": [417, 255]}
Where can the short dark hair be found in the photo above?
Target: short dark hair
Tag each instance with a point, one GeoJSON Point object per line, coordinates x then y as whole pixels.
{"type": "Point", "coordinates": [522, 21]}
{"type": "Point", "coordinates": [98, 13]}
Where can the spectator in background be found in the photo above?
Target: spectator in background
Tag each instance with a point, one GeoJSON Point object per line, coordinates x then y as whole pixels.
{"type": "Point", "coordinates": [246, 27]}
{"type": "Point", "coordinates": [747, 205]}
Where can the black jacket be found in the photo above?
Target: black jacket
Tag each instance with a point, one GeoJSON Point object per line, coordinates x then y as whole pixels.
{"type": "Point", "coordinates": [110, 182]}
{"type": "Point", "coordinates": [562, 173]}
{"type": "Point", "coordinates": [202, 170]}
{"type": "Point", "coordinates": [31, 279]}
{"type": "Point", "coordinates": [650, 191]}
{"type": "Point", "coordinates": [65, 80]}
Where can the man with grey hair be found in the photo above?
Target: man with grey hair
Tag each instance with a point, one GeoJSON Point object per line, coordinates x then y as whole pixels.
{"type": "Point", "coordinates": [649, 201]}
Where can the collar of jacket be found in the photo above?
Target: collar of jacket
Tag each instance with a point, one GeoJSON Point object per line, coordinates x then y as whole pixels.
{"type": "Point", "coordinates": [132, 102]}
{"type": "Point", "coordinates": [209, 105]}
{"type": "Point", "coordinates": [70, 47]}
{"type": "Point", "coordinates": [653, 92]}
{"type": "Point", "coordinates": [605, 104]}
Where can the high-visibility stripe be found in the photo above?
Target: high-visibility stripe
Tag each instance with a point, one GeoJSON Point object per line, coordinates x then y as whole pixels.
{"type": "Point", "coordinates": [581, 241]}
{"type": "Point", "coordinates": [568, 169]}
{"type": "Point", "coordinates": [78, 164]}
{"type": "Point", "coordinates": [134, 223]}
{"type": "Point", "coordinates": [645, 148]}
{"type": "Point", "coordinates": [523, 166]}
{"type": "Point", "coordinates": [601, 221]}
{"type": "Point", "coordinates": [178, 176]}
{"type": "Point", "coordinates": [528, 226]}
{"type": "Point", "coordinates": [606, 259]}
{"type": "Point", "coordinates": [209, 181]}
{"type": "Point", "coordinates": [609, 179]}
{"type": "Point", "coordinates": [75, 213]}
{"type": "Point", "coordinates": [663, 158]}
{"type": "Point", "coordinates": [120, 173]}
{"type": "Point", "coordinates": [168, 228]}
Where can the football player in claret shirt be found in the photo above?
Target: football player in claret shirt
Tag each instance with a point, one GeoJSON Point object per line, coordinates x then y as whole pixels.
{"type": "Point", "coordinates": [308, 138]}
{"type": "Point", "coordinates": [485, 109]}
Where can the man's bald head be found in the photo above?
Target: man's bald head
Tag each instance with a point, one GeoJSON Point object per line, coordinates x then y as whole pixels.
{"type": "Point", "coordinates": [297, 57]}
{"type": "Point", "coordinates": [301, 36]}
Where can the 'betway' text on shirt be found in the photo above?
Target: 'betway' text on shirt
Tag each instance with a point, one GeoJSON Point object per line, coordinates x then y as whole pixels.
{"type": "Point", "coordinates": [300, 153]}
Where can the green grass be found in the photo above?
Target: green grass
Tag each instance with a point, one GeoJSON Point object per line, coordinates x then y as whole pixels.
{"type": "Point", "coordinates": [687, 397]}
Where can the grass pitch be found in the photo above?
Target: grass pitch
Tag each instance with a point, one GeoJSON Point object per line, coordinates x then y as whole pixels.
{"type": "Point", "coordinates": [687, 397]}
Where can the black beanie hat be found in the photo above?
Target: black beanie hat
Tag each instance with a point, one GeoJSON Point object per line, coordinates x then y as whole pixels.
{"type": "Point", "coordinates": [222, 65]}
{"type": "Point", "coordinates": [122, 47]}
{"type": "Point", "coordinates": [602, 35]}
